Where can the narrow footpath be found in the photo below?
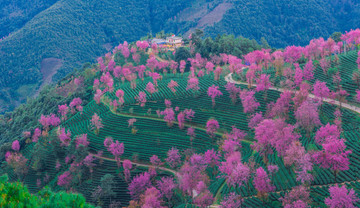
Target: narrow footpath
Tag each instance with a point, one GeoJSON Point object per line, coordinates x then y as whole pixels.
{"type": "Point", "coordinates": [228, 78]}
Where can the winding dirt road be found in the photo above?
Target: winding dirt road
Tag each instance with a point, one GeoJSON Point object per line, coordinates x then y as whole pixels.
{"type": "Point", "coordinates": [228, 78]}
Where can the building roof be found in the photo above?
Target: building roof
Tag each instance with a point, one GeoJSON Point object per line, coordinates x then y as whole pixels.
{"type": "Point", "coordinates": [175, 38]}
{"type": "Point", "coordinates": [158, 41]}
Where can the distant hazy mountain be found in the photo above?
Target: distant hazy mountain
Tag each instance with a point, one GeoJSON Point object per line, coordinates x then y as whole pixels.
{"type": "Point", "coordinates": [50, 38]}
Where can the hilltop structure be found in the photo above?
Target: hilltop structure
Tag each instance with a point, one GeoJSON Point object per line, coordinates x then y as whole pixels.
{"type": "Point", "coordinates": [170, 43]}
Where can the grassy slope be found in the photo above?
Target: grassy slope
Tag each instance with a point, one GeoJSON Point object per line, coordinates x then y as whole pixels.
{"type": "Point", "coordinates": [153, 132]}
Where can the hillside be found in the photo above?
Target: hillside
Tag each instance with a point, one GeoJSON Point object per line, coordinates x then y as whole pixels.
{"type": "Point", "coordinates": [281, 23]}
{"type": "Point", "coordinates": [273, 129]}
{"type": "Point", "coordinates": [15, 14]}
{"type": "Point", "coordinates": [75, 32]}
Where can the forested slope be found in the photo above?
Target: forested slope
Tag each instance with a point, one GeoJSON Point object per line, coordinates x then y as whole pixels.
{"type": "Point", "coordinates": [284, 23]}
{"type": "Point", "coordinates": [74, 32]}
{"type": "Point", "coordinates": [78, 31]}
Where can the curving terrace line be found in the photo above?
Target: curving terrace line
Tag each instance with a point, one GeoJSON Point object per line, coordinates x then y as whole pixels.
{"type": "Point", "coordinates": [138, 164]}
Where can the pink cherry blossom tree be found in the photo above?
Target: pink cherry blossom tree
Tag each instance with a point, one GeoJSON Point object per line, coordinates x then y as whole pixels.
{"type": "Point", "coordinates": [96, 84]}
{"type": "Point", "coordinates": [141, 98]}
{"type": "Point", "coordinates": [321, 90]}
{"type": "Point", "coordinates": [150, 88]}
{"type": "Point", "coordinates": [173, 157]}
{"type": "Point", "coordinates": [125, 52]}
{"type": "Point", "coordinates": [189, 114]}
{"type": "Point", "coordinates": [333, 155]}
{"type": "Point", "coordinates": [212, 126]}
{"type": "Point", "coordinates": [142, 45]}
{"type": "Point", "coordinates": [298, 77]}
{"type": "Point", "coordinates": [127, 165]}
{"type": "Point", "coordinates": [309, 71]}
{"type": "Point", "coordinates": [15, 145]}
{"type": "Point", "coordinates": [293, 53]}
{"type": "Point", "coordinates": [18, 163]}
{"type": "Point", "coordinates": [36, 135]}
{"type": "Point", "coordinates": [155, 76]}
{"type": "Point", "coordinates": [233, 91]}
{"type": "Point", "coordinates": [139, 184]}
{"type": "Point", "coordinates": [230, 145]}
{"type": "Point", "coordinates": [204, 199]}
{"type": "Point", "coordinates": [76, 104]}
{"type": "Point", "coordinates": [255, 120]}
{"type": "Point", "coordinates": [191, 133]}
{"type": "Point", "coordinates": [250, 75]}
{"type": "Point", "coordinates": [169, 116]}
{"type": "Point", "coordinates": [217, 73]}
{"type": "Point", "coordinates": [96, 123]}
{"type": "Point", "coordinates": [263, 83]}
{"type": "Point", "coordinates": [262, 182]}
{"type": "Point", "coordinates": [173, 66]}
{"type": "Point", "coordinates": [120, 95]}
{"type": "Point", "coordinates": [214, 92]}
{"type": "Point", "coordinates": [304, 167]}
{"type": "Point", "coordinates": [300, 96]}
{"type": "Point", "coordinates": [358, 96]}
{"type": "Point", "coordinates": [212, 158]}
{"type": "Point", "coordinates": [63, 110]}
{"type": "Point", "coordinates": [248, 101]}
{"type": "Point", "coordinates": [97, 96]}
{"type": "Point", "coordinates": [235, 172]}
{"type": "Point", "coordinates": [340, 95]}
{"type": "Point", "coordinates": [65, 137]}
{"type": "Point", "coordinates": [282, 105]}
{"type": "Point", "coordinates": [327, 132]}
{"type": "Point", "coordinates": [167, 103]}
{"type": "Point", "coordinates": [341, 197]}
{"type": "Point", "coordinates": [172, 84]}
{"type": "Point", "coordinates": [65, 179]}
{"type": "Point", "coordinates": [155, 161]}
{"type": "Point", "coordinates": [325, 65]}
{"type": "Point", "coordinates": [193, 84]}
{"type": "Point", "coordinates": [182, 66]}
{"type": "Point", "coordinates": [298, 195]}
{"type": "Point", "coordinates": [293, 154]}
{"type": "Point", "coordinates": [151, 198]}
{"type": "Point", "coordinates": [50, 120]}
{"type": "Point", "coordinates": [307, 116]}
{"type": "Point", "coordinates": [181, 120]}
{"type": "Point", "coordinates": [264, 132]}
{"type": "Point", "coordinates": [82, 140]}
{"type": "Point", "coordinates": [116, 149]}
{"type": "Point", "coordinates": [209, 67]}
{"type": "Point", "coordinates": [166, 185]}
{"type": "Point", "coordinates": [232, 200]}
{"type": "Point", "coordinates": [136, 57]}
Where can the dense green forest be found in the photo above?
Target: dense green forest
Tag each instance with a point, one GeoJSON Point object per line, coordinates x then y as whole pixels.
{"type": "Point", "coordinates": [78, 31]}
{"type": "Point", "coordinates": [17, 195]}
{"type": "Point", "coordinates": [15, 14]}
{"type": "Point", "coordinates": [281, 23]}
{"type": "Point", "coordinates": [74, 32]}
{"type": "Point", "coordinates": [292, 22]}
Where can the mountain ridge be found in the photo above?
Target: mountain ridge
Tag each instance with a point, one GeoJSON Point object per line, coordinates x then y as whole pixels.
{"type": "Point", "coordinates": [79, 31]}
